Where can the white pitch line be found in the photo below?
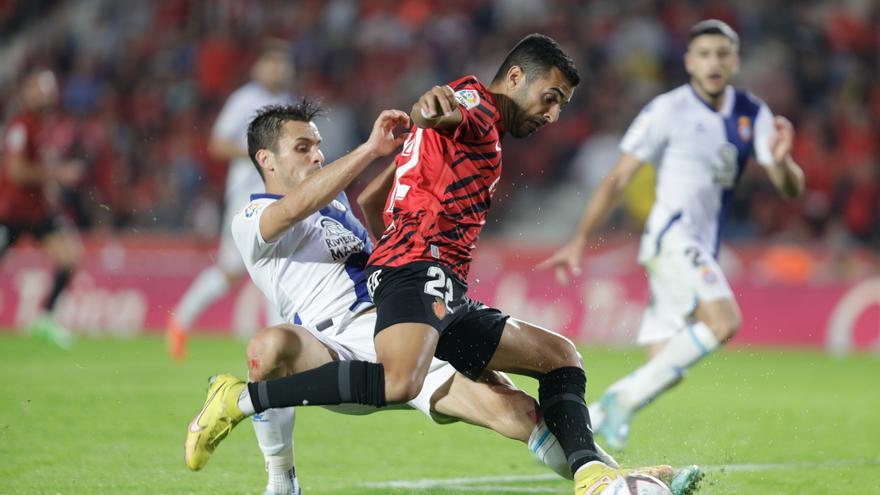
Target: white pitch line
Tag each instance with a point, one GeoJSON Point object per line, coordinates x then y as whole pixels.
{"type": "Point", "coordinates": [479, 483]}
{"type": "Point", "coordinates": [503, 488]}
{"type": "Point", "coordinates": [779, 466]}
{"type": "Point", "coordinates": [437, 482]}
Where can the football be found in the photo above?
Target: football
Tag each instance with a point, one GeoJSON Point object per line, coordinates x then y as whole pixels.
{"type": "Point", "coordinates": [637, 484]}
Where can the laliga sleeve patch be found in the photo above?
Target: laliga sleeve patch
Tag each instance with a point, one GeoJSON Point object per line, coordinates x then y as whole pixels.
{"type": "Point", "coordinates": [468, 98]}
{"type": "Point", "coordinates": [252, 209]}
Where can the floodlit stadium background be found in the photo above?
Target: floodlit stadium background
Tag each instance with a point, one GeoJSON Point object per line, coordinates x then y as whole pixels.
{"type": "Point", "coordinates": [142, 82]}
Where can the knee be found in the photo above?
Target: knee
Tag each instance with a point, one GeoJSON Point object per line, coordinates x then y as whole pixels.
{"type": "Point", "coordinates": [726, 328]}
{"type": "Point", "coordinates": [563, 353]}
{"type": "Point", "coordinates": [401, 387]}
{"type": "Point", "coordinates": [269, 351]}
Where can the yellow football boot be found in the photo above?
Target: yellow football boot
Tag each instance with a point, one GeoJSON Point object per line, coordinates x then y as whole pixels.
{"type": "Point", "coordinates": [217, 418]}
{"type": "Point", "coordinates": [594, 477]}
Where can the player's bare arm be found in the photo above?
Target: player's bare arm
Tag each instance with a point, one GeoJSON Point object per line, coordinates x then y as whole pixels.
{"type": "Point", "coordinates": [567, 260]}
{"type": "Point", "coordinates": [372, 200]}
{"type": "Point", "coordinates": [319, 188]}
{"type": "Point", "coordinates": [226, 150]}
{"type": "Point", "coordinates": [21, 173]}
{"type": "Point", "coordinates": [66, 173]}
{"type": "Point", "coordinates": [785, 174]}
{"type": "Point", "coordinates": [436, 109]}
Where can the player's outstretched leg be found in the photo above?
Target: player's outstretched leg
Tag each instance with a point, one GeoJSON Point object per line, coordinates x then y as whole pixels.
{"type": "Point", "coordinates": [526, 349]}
{"type": "Point", "coordinates": [494, 402]}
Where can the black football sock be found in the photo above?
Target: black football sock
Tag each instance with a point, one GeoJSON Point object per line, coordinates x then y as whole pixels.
{"type": "Point", "coordinates": [339, 382]}
{"type": "Point", "coordinates": [561, 397]}
{"type": "Point", "coordinates": [62, 277]}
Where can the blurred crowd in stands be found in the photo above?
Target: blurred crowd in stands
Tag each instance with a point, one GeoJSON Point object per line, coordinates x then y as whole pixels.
{"type": "Point", "coordinates": [142, 81]}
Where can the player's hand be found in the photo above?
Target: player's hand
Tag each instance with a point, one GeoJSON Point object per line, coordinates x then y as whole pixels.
{"type": "Point", "coordinates": [566, 262]}
{"type": "Point", "coordinates": [438, 102]}
{"type": "Point", "coordinates": [382, 140]}
{"type": "Point", "coordinates": [783, 137]}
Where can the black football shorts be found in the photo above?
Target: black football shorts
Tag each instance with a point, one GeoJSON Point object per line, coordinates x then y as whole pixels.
{"type": "Point", "coordinates": [429, 293]}
{"type": "Point", "coordinates": [10, 232]}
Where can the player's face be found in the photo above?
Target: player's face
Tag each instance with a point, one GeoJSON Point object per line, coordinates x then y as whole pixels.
{"type": "Point", "coordinates": [711, 60]}
{"type": "Point", "coordinates": [41, 91]}
{"type": "Point", "coordinates": [274, 71]}
{"type": "Point", "coordinates": [298, 154]}
{"type": "Point", "coordinates": [540, 102]}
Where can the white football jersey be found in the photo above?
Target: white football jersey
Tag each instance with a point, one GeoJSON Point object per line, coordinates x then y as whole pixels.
{"type": "Point", "coordinates": [232, 123]}
{"type": "Point", "coordinates": [314, 272]}
{"type": "Point", "coordinates": [699, 155]}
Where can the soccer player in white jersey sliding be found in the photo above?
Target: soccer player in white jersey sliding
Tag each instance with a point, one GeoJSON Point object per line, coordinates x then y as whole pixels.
{"type": "Point", "coordinates": [306, 251]}
{"type": "Point", "coordinates": [270, 78]}
{"type": "Point", "coordinates": [699, 137]}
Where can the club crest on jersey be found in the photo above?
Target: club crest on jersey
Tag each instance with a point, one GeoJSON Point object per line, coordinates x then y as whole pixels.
{"type": "Point", "coordinates": [340, 241]}
{"type": "Point", "coordinates": [467, 97]}
{"type": "Point", "coordinates": [744, 126]}
{"type": "Point", "coordinates": [708, 275]}
{"type": "Point", "coordinates": [439, 308]}
{"type": "Point", "coordinates": [252, 209]}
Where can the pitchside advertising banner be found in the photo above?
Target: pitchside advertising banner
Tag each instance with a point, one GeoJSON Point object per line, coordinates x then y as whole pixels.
{"type": "Point", "coordinates": [789, 296]}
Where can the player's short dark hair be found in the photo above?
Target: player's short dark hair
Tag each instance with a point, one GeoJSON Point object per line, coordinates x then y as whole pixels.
{"type": "Point", "coordinates": [265, 128]}
{"type": "Point", "coordinates": [273, 46]}
{"type": "Point", "coordinates": [536, 55]}
{"type": "Point", "coordinates": [713, 26]}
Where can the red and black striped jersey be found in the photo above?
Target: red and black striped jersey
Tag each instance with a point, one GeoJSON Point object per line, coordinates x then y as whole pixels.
{"type": "Point", "coordinates": [23, 203]}
{"type": "Point", "coordinates": [443, 186]}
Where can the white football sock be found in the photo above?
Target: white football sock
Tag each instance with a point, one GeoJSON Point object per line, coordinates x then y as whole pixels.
{"type": "Point", "coordinates": [681, 352]}
{"type": "Point", "coordinates": [274, 430]}
{"type": "Point", "coordinates": [545, 447]}
{"type": "Point", "coordinates": [245, 404]}
{"type": "Point", "coordinates": [209, 286]}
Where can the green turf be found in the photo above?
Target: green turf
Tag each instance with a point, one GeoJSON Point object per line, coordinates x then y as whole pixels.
{"type": "Point", "coordinates": [110, 417]}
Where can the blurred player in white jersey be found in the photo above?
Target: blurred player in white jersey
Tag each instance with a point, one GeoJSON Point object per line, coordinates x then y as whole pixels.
{"type": "Point", "coordinates": [699, 137]}
{"type": "Point", "coordinates": [304, 248]}
{"type": "Point", "coordinates": [270, 80]}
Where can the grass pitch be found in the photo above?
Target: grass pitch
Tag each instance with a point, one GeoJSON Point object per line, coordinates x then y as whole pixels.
{"type": "Point", "coordinates": [109, 417]}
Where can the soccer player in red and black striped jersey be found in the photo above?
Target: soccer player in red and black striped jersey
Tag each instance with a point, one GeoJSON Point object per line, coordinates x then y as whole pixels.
{"type": "Point", "coordinates": [27, 171]}
{"type": "Point", "coordinates": [444, 180]}
{"type": "Point", "coordinates": [442, 190]}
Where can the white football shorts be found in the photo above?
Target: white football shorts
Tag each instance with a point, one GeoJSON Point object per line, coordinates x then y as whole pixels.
{"type": "Point", "coordinates": [680, 274]}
